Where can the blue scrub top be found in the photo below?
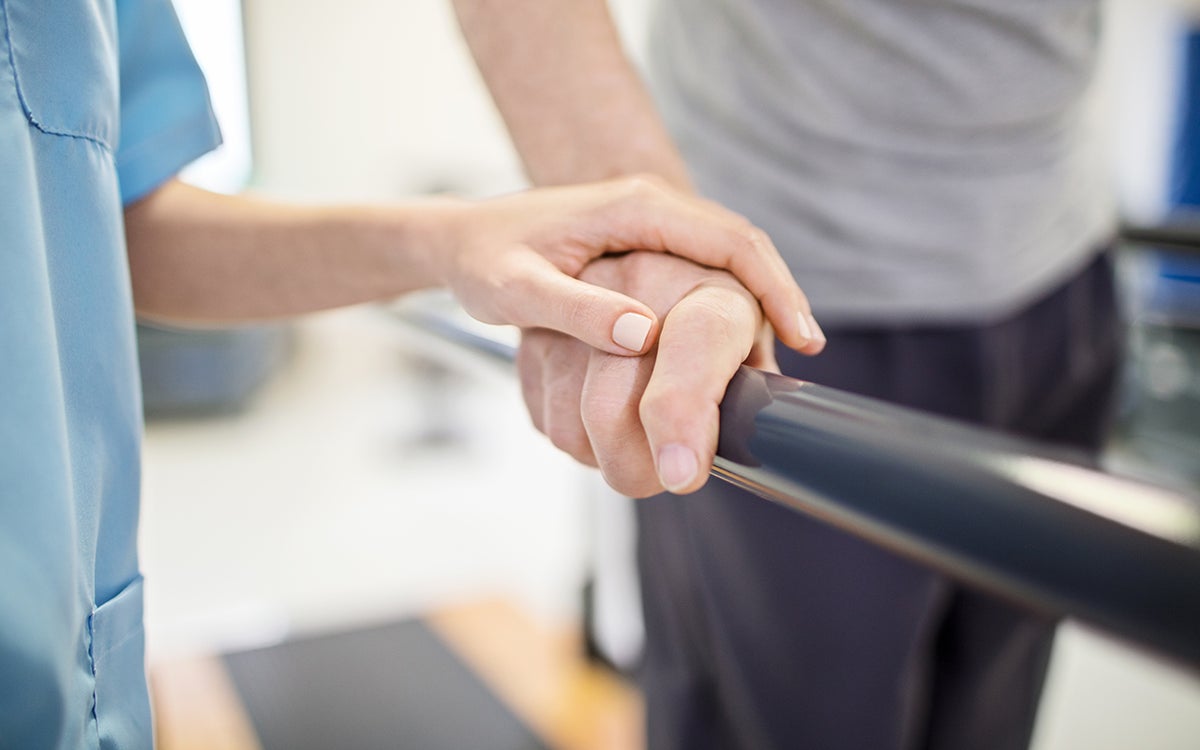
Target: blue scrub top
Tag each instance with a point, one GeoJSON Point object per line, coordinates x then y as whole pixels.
{"type": "Point", "coordinates": [100, 102]}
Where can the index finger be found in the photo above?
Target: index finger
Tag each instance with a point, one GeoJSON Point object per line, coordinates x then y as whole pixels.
{"type": "Point", "coordinates": [704, 339]}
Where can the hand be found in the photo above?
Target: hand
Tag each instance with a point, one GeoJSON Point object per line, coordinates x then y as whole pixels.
{"type": "Point", "coordinates": [648, 422]}
{"type": "Point", "coordinates": [514, 260]}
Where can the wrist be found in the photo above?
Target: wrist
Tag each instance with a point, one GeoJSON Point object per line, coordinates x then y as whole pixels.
{"type": "Point", "coordinates": [435, 235]}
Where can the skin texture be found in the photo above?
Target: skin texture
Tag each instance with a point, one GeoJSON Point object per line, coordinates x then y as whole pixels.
{"type": "Point", "coordinates": [201, 257]}
{"type": "Point", "coordinates": [547, 66]}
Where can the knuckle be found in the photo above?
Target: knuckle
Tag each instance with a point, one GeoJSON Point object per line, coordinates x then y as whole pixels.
{"type": "Point", "coordinates": [569, 438]}
{"type": "Point", "coordinates": [601, 411]}
{"type": "Point", "coordinates": [645, 183]}
{"type": "Point", "coordinates": [637, 264]}
{"type": "Point", "coordinates": [754, 239]}
{"type": "Point", "coordinates": [656, 407]}
{"type": "Point", "coordinates": [609, 398]}
{"type": "Point", "coordinates": [641, 489]}
{"type": "Point", "coordinates": [634, 191]}
{"type": "Point", "coordinates": [673, 415]}
{"type": "Point", "coordinates": [760, 239]}
{"type": "Point", "coordinates": [631, 480]}
{"type": "Point", "coordinates": [722, 319]}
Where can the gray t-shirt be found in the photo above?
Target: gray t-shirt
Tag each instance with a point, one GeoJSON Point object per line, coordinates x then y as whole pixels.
{"type": "Point", "coordinates": [914, 160]}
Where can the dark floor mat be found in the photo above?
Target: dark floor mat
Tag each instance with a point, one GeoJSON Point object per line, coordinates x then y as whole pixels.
{"type": "Point", "coordinates": [395, 686]}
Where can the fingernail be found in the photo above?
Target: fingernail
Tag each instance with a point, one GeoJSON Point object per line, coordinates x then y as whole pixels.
{"type": "Point", "coordinates": [802, 324]}
{"type": "Point", "coordinates": [817, 334]}
{"type": "Point", "coordinates": [631, 330]}
{"type": "Point", "coordinates": [677, 466]}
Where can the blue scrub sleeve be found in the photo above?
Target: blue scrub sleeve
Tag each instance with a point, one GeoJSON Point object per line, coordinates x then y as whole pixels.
{"type": "Point", "coordinates": [166, 116]}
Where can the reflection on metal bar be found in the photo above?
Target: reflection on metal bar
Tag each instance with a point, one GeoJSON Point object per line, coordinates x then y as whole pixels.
{"type": "Point", "coordinates": [1007, 515]}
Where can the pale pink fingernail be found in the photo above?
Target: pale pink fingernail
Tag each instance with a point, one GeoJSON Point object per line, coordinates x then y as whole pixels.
{"type": "Point", "coordinates": [817, 334]}
{"type": "Point", "coordinates": [630, 331]}
{"type": "Point", "coordinates": [802, 324]}
{"type": "Point", "coordinates": [677, 466]}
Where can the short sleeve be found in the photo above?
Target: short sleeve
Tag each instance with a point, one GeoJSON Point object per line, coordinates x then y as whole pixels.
{"type": "Point", "coordinates": [166, 115]}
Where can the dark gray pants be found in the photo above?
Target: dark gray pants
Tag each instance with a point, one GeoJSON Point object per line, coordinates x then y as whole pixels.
{"type": "Point", "coordinates": [768, 629]}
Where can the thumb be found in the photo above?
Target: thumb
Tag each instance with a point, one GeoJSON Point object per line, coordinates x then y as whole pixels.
{"type": "Point", "coordinates": [604, 319]}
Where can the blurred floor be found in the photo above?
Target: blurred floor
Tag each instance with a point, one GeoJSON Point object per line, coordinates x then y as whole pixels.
{"type": "Point", "coordinates": [537, 672]}
{"type": "Point", "coordinates": [353, 489]}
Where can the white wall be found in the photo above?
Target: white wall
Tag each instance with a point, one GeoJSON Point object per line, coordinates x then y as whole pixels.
{"type": "Point", "coordinates": [369, 98]}
{"type": "Point", "coordinates": [377, 98]}
{"type": "Point", "coordinates": [1139, 79]}
{"type": "Point", "coordinates": [214, 30]}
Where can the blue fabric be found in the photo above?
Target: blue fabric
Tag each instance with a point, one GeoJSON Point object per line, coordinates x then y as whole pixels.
{"type": "Point", "coordinates": [100, 101]}
{"type": "Point", "coordinates": [1185, 166]}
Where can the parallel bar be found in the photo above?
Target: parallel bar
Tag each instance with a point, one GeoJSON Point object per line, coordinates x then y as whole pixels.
{"type": "Point", "coordinates": [1010, 516]}
{"type": "Point", "coordinates": [1181, 233]}
{"type": "Point", "coordinates": [1002, 514]}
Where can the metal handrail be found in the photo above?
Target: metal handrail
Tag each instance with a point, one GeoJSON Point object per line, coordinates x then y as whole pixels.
{"type": "Point", "coordinates": [1180, 232]}
{"type": "Point", "coordinates": [1014, 517]}
{"type": "Point", "coordinates": [1030, 523]}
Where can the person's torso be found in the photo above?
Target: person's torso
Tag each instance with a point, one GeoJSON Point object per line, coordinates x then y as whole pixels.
{"type": "Point", "coordinates": [913, 159]}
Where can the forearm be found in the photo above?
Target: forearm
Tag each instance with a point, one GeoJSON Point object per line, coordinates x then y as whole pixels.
{"type": "Point", "coordinates": [574, 105]}
{"type": "Point", "coordinates": [201, 257]}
